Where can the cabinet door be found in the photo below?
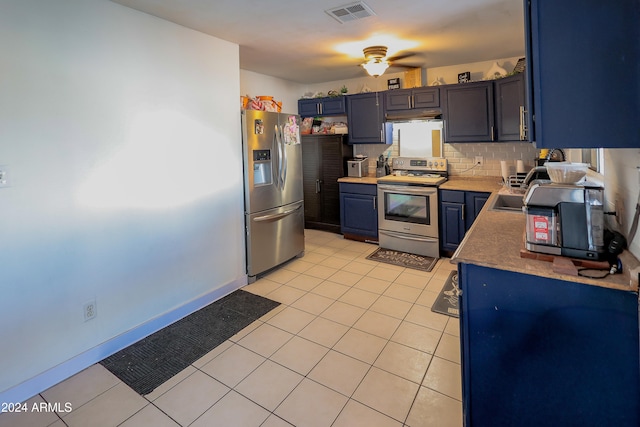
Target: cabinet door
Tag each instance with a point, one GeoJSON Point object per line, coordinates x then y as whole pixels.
{"type": "Point", "coordinates": [451, 225]}
{"type": "Point", "coordinates": [509, 98]}
{"type": "Point", "coordinates": [333, 106]}
{"type": "Point", "coordinates": [474, 203]}
{"type": "Point", "coordinates": [366, 120]}
{"type": "Point", "coordinates": [468, 112]}
{"type": "Point", "coordinates": [583, 63]}
{"type": "Point", "coordinates": [311, 179]}
{"type": "Point", "coordinates": [308, 107]}
{"type": "Point", "coordinates": [426, 97]}
{"type": "Point", "coordinates": [332, 168]}
{"type": "Point", "coordinates": [359, 214]}
{"type": "Point", "coordinates": [398, 99]}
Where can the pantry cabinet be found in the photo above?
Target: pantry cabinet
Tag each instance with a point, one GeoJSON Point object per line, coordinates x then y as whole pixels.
{"type": "Point", "coordinates": [359, 211]}
{"type": "Point", "coordinates": [583, 63]}
{"type": "Point", "coordinates": [458, 211]}
{"type": "Point", "coordinates": [323, 158]}
{"type": "Point", "coordinates": [366, 119]}
{"type": "Point", "coordinates": [327, 106]}
{"type": "Point", "coordinates": [538, 351]}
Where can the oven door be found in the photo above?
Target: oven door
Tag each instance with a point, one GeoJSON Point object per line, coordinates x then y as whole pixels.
{"type": "Point", "coordinates": [408, 209]}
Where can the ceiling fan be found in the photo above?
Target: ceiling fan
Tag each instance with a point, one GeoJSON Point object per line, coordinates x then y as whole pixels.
{"type": "Point", "coordinates": [376, 61]}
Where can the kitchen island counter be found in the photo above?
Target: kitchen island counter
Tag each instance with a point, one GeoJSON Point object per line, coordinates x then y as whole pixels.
{"type": "Point", "coordinates": [496, 238]}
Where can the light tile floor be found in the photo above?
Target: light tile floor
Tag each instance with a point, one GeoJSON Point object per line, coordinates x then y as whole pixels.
{"type": "Point", "coordinates": [354, 343]}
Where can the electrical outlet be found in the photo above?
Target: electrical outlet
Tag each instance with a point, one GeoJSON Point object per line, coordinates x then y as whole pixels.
{"type": "Point", "coordinates": [90, 310]}
{"type": "Point", "coordinates": [479, 160]}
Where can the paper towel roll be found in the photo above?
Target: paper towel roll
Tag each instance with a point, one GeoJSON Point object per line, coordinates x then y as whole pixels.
{"type": "Point", "coordinates": [505, 170]}
{"type": "Point", "coordinates": [519, 166]}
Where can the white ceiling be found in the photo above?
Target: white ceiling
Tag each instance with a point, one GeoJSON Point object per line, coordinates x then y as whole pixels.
{"type": "Point", "coordinates": [296, 40]}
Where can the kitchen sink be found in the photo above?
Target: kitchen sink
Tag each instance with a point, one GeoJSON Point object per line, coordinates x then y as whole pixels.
{"type": "Point", "coordinates": [507, 203]}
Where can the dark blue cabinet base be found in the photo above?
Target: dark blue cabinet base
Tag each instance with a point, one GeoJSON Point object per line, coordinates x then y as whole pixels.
{"type": "Point", "coordinates": [543, 352]}
{"type": "Point", "coordinates": [359, 211]}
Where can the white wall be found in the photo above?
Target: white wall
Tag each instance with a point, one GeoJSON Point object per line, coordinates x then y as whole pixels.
{"type": "Point", "coordinates": [126, 182]}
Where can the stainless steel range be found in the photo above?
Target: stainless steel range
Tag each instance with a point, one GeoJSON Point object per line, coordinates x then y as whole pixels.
{"type": "Point", "coordinates": [408, 205]}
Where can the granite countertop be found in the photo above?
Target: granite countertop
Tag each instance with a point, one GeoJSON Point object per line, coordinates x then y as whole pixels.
{"type": "Point", "coordinates": [485, 184]}
{"type": "Point", "coordinates": [356, 180]}
{"type": "Point", "coordinates": [496, 238]}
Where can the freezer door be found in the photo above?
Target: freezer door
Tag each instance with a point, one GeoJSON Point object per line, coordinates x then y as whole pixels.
{"type": "Point", "coordinates": [260, 135]}
{"type": "Point", "coordinates": [291, 165]}
{"type": "Point", "coordinates": [273, 237]}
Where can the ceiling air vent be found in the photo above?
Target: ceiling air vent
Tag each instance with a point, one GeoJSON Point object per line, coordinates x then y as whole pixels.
{"type": "Point", "coordinates": [351, 12]}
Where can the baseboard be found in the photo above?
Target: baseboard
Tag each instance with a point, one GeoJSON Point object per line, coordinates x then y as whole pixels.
{"type": "Point", "coordinates": [61, 372]}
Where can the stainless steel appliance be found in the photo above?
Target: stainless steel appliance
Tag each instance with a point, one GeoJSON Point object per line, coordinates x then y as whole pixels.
{"type": "Point", "coordinates": [273, 198]}
{"type": "Point", "coordinates": [565, 219]}
{"type": "Point", "coordinates": [358, 167]}
{"type": "Point", "coordinates": [408, 205]}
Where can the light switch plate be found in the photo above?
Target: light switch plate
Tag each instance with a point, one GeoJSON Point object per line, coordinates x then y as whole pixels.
{"type": "Point", "coordinates": [5, 180]}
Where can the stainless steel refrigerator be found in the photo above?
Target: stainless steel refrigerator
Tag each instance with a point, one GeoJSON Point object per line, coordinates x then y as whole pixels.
{"type": "Point", "coordinates": [273, 197]}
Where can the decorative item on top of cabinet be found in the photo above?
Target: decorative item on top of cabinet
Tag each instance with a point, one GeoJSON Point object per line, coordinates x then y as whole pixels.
{"type": "Point", "coordinates": [366, 119]}
{"type": "Point", "coordinates": [583, 90]}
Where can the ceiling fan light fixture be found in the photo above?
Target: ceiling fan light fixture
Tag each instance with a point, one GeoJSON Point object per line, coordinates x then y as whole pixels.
{"type": "Point", "coordinates": [376, 67]}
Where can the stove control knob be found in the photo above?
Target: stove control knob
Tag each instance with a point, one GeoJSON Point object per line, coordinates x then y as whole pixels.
{"type": "Point", "coordinates": [430, 164]}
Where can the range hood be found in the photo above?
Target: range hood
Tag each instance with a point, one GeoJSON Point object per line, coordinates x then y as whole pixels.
{"type": "Point", "coordinates": [407, 115]}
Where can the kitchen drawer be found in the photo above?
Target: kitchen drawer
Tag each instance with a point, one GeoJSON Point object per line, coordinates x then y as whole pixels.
{"type": "Point", "coordinates": [452, 196]}
{"type": "Point", "coordinates": [370, 189]}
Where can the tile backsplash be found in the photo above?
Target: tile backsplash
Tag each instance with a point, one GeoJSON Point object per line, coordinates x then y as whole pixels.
{"type": "Point", "coordinates": [461, 156]}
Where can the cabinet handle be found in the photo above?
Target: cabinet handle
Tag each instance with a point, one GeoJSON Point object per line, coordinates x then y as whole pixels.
{"type": "Point", "coordinates": [409, 100]}
{"type": "Point", "coordinates": [317, 185]}
{"type": "Point", "coordinates": [320, 108]}
{"type": "Point", "coordinates": [462, 212]}
{"type": "Point", "coordinates": [493, 138]}
{"type": "Point", "coordinates": [523, 124]}
{"type": "Point", "coordinates": [375, 202]}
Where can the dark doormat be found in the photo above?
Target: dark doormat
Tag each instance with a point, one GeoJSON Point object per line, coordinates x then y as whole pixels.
{"type": "Point", "coordinates": [403, 259]}
{"type": "Point", "coordinates": [447, 300]}
{"type": "Point", "coordinates": [150, 362]}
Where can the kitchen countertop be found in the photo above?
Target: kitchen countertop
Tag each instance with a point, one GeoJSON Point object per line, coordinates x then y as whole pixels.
{"type": "Point", "coordinates": [485, 184]}
{"type": "Point", "coordinates": [495, 240]}
{"type": "Point", "coordinates": [356, 180]}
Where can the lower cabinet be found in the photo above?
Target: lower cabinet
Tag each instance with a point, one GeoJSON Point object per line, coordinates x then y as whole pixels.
{"type": "Point", "coordinates": [458, 210]}
{"type": "Point", "coordinates": [538, 351]}
{"type": "Point", "coordinates": [359, 211]}
{"type": "Point", "coordinates": [324, 160]}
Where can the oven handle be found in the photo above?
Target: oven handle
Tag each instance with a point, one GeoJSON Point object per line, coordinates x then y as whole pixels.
{"type": "Point", "coordinates": [409, 189]}
{"type": "Point", "coordinates": [406, 237]}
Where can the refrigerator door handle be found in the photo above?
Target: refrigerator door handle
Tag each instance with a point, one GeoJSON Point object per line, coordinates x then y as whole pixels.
{"type": "Point", "coordinates": [275, 217]}
{"type": "Point", "coordinates": [280, 158]}
{"type": "Point", "coordinates": [274, 159]}
{"type": "Point", "coordinates": [285, 159]}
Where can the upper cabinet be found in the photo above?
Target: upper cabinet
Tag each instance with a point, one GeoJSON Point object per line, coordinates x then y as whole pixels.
{"type": "Point", "coordinates": [583, 70]}
{"type": "Point", "coordinates": [328, 106]}
{"type": "Point", "coordinates": [366, 119]}
{"type": "Point", "coordinates": [468, 112]}
{"type": "Point", "coordinates": [486, 111]}
{"type": "Point", "coordinates": [407, 99]}
{"type": "Point", "coordinates": [510, 112]}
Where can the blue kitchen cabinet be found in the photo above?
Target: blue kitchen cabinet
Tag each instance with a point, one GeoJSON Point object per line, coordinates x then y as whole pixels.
{"type": "Point", "coordinates": [359, 211]}
{"type": "Point", "coordinates": [408, 99]}
{"type": "Point", "coordinates": [510, 106]}
{"type": "Point", "coordinates": [583, 63]}
{"type": "Point", "coordinates": [468, 112]}
{"type": "Point", "coordinates": [458, 211]}
{"type": "Point", "coordinates": [327, 106]}
{"type": "Point", "coordinates": [366, 119]}
{"type": "Point", "coordinates": [538, 351]}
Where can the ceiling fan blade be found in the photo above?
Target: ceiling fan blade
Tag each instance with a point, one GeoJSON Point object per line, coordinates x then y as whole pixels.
{"type": "Point", "coordinates": [399, 57]}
